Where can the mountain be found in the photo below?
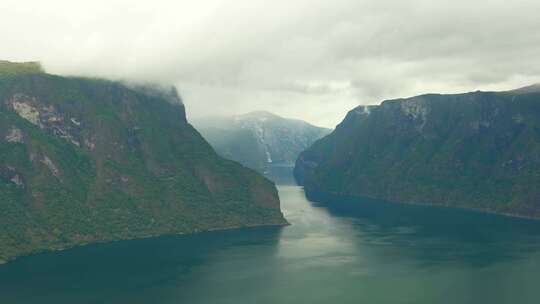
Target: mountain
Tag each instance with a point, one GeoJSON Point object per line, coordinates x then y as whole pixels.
{"type": "Point", "coordinates": [90, 160]}
{"type": "Point", "coordinates": [535, 88]}
{"type": "Point", "coordinates": [478, 150]}
{"type": "Point", "coordinates": [259, 140]}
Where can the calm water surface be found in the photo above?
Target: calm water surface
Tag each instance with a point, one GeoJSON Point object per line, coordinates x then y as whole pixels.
{"type": "Point", "coordinates": [349, 253]}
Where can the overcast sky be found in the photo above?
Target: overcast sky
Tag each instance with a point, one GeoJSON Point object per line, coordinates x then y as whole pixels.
{"type": "Point", "coordinates": [307, 59]}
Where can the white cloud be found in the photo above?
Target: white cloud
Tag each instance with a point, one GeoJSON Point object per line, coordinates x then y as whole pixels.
{"type": "Point", "coordinates": [313, 59]}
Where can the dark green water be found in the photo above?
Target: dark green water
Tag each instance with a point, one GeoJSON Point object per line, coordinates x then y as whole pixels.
{"type": "Point", "coordinates": [361, 253]}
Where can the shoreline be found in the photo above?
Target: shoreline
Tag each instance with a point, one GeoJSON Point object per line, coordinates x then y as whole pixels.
{"type": "Point", "coordinates": [315, 195]}
{"type": "Point", "coordinates": [6, 260]}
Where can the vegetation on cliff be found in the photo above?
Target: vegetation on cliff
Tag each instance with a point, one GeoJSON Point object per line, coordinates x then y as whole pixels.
{"type": "Point", "coordinates": [478, 150]}
{"type": "Point", "coordinates": [90, 160]}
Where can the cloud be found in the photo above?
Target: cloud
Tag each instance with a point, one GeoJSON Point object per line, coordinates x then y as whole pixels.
{"type": "Point", "coordinates": [313, 60]}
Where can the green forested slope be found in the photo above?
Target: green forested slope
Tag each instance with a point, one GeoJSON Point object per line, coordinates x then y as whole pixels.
{"type": "Point", "coordinates": [89, 160]}
{"type": "Point", "coordinates": [478, 150]}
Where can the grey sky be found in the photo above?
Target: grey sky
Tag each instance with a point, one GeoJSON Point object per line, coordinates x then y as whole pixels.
{"type": "Point", "coordinates": [308, 59]}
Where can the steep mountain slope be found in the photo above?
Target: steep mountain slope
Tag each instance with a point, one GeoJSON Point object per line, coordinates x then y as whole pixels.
{"type": "Point", "coordinates": [259, 140]}
{"type": "Point", "coordinates": [88, 160]}
{"type": "Point", "coordinates": [478, 150]}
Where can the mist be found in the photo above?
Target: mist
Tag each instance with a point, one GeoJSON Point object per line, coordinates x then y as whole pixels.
{"type": "Point", "coordinates": [313, 60]}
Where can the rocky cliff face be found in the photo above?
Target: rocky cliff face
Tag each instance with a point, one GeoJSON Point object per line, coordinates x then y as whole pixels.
{"type": "Point", "coordinates": [259, 140]}
{"type": "Point", "coordinates": [478, 150]}
{"type": "Point", "coordinates": [86, 160]}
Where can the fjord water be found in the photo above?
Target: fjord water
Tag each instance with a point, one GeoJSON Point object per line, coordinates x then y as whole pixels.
{"type": "Point", "coordinates": [366, 252]}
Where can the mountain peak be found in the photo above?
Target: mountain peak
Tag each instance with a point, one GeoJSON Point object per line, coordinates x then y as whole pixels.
{"type": "Point", "coordinates": [259, 139]}
{"type": "Point", "coordinates": [261, 114]}
{"type": "Point", "coordinates": [534, 88]}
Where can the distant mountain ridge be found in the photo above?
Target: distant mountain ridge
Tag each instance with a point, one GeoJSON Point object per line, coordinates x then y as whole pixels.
{"type": "Point", "coordinates": [478, 150]}
{"type": "Point", "coordinates": [259, 139]}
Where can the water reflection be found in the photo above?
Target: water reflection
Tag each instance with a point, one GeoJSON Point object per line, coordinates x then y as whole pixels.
{"type": "Point", "coordinates": [337, 252]}
{"type": "Point", "coordinates": [389, 253]}
{"type": "Point", "coordinates": [128, 272]}
{"type": "Point", "coordinates": [442, 234]}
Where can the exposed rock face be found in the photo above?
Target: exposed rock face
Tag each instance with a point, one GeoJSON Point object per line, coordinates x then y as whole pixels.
{"type": "Point", "coordinates": [9, 175]}
{"type": "Point", "coordinates": [86, 160]}
{"type": "Point", "coordinates": [46, 117]}
{"type": "Point", "coordinates": [478, 150]}
{"type": "Point", "coordinates": [16, 179]}
{"type": "Point", "coordinates": [51, 166]}
{"type": "Point", "coordinates": [259, 140]}
{"type": "Point", "coordinates": [24, 108]}
{"type": "Point", "coordinates": [15, 136]}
